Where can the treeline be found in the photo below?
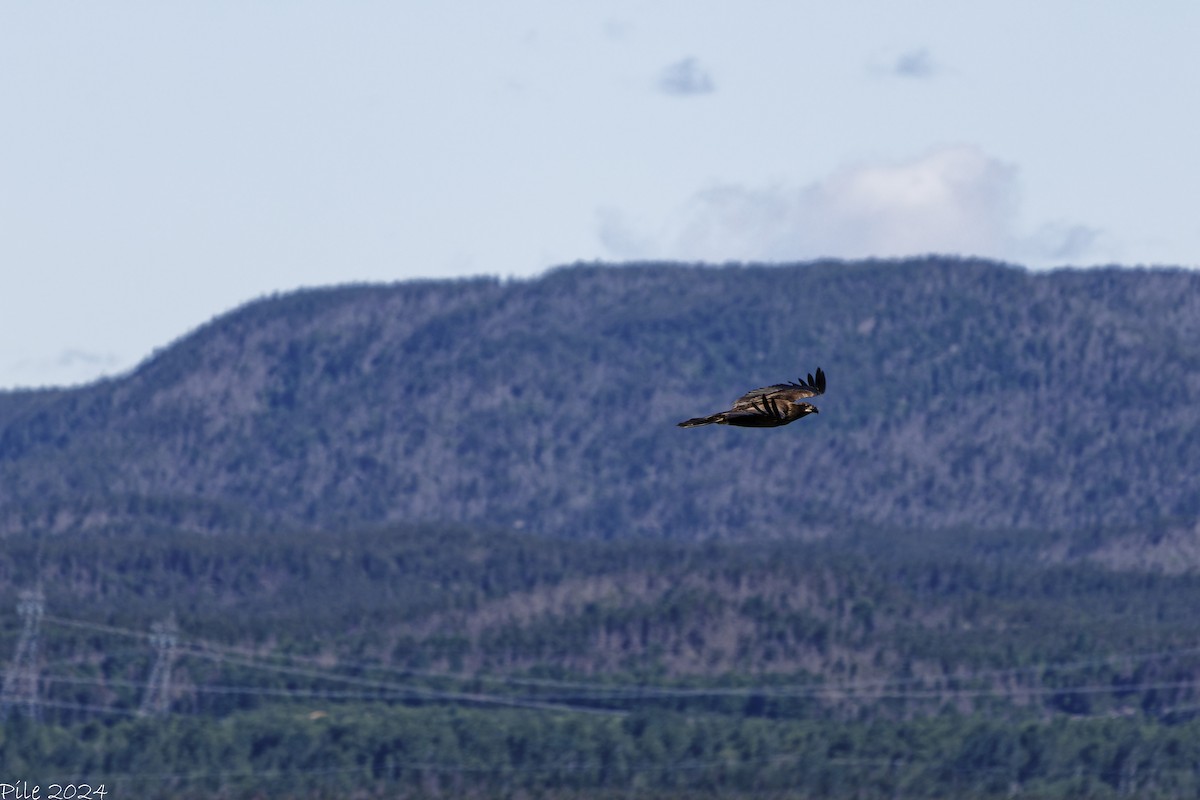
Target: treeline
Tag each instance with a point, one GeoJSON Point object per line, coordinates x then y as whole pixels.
{"type": "Point", "coordinates": [373, 751]}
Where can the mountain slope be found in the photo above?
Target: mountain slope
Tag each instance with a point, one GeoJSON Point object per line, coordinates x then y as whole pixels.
{"type": "Point", "coordinates": [960, 394]}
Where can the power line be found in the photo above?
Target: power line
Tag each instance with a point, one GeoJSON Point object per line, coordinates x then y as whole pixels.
{"type": "Point", "coordinates": [399, 692]}
{"type": "Point", "coordinates": [95, 626]}
{"type": "Point", "coordinates": [913, 688]}
{"type": "Point", "coordinates": [417, 692]}
{"type": "Point", "coordinates": [620, 691]}
{"type": "Point", "coordinates": [613, 689]}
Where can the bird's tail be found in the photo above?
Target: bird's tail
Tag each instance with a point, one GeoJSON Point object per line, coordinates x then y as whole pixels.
{"type": "Point", "coordinates": [696, 421]}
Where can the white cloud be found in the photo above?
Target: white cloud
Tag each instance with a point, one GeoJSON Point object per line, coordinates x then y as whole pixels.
{"type": "Point", "coordinates": [954, 200]}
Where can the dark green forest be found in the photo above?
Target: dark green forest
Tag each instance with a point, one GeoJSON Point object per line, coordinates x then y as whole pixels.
{"type": "Point", "coordinates": [455, 661]}
{"type": "Point", "coordinates": [443, 539]}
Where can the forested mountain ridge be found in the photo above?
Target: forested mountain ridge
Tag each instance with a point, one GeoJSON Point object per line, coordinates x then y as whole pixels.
{"type": "Point", "coordinates": [961, 393]}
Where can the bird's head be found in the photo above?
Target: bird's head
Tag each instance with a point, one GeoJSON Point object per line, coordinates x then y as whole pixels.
{"type": "Point", "coordinates": [807, 408]}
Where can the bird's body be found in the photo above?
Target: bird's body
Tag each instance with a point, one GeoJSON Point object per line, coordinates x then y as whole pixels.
{"type": "Point", "coordinates": [768, 407]}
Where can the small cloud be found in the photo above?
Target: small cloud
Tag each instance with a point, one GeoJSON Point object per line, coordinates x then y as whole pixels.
{"type": "Point", "coordinates": [68, 367]}
{"type": "Point", "coordinates": [72, 358]}
{"type": "Point", "coordinates": [1059, 242]}
{"type": "Point", "coordinates": [685, 78]}
{"type": "Point", "coordinates": [914, 64]}
{"type": "Point", "coordinates": [619, 238]}
{"type": "Point", "coordinates": [917, 64]}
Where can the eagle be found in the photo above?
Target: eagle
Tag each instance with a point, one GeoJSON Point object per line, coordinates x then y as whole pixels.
{"type": "Point", "coordinates": [768, 407]}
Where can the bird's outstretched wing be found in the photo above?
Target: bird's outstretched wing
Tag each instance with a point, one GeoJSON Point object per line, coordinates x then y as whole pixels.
{"type": "Point", "coordinates": [790, 392]}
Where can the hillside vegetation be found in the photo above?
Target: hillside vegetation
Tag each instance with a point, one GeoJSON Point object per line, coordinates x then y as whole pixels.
{"type": "Point", "coordinates": [444, 539]}
{"type": "Point", "coordinates": [961, 393]}
{"type": "Point", "coordinates": [447, 662]}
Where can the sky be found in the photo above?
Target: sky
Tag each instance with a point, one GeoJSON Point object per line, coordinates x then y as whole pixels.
{"type": "Point", "coordinates": [163, 163]}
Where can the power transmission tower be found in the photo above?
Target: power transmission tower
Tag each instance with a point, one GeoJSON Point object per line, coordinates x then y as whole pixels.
{"type": "Point", "coordinates": [164, 636]}
{"type": "Point", "coordinates": [21, 679]}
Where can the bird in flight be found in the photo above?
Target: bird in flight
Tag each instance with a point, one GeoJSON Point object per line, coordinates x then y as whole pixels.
{"type": "Point", "coordinates": [768, 407]}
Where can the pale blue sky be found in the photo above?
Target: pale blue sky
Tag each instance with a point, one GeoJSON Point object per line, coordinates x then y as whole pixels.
{"type": "Point", "coordinates": [161, 163]}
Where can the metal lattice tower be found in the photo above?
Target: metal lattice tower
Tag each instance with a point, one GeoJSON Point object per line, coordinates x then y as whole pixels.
{"type": "Point", "coordinates": [164, 636]}
{"type": "Point", "coordinates": [21, 679]}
